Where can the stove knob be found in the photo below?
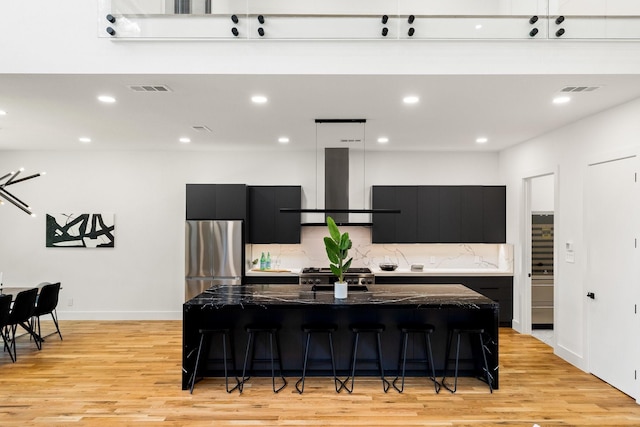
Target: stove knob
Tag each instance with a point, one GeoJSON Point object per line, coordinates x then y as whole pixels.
{"type": "Point", "coordinates": [370, 282]}
{"type": "Point", "coordinates": [303, 281]}
{"type": "Point", "coordinates": [317, 281]}
{"type": "Point", "coordinates": [363, 281]}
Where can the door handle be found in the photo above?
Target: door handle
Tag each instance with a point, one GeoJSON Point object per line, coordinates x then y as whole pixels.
{"type": "Point", "coordinates": [591, 295]}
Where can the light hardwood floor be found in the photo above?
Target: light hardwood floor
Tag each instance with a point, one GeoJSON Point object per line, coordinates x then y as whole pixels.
{"type": "Point", "coordinates": [128, 373]}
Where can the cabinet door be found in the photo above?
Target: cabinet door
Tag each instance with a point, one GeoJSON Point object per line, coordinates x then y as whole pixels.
{"type": "Point", "coordinates": [471, 214]}
{"type": "Point", "coordinates": [231, 201]}
{"type": "Point", "coordinates": [201, 201]}
{"type": "Point", "coordinates": [450, 214]}
{"type": "Point", "coordinates": [266, 223]}
{"type": "Point", "coordinates": [494, 214]}
{"type": "Point", "coordinates": [407, 220]}
{"type": "Point", "coordinates": [287, 225]}
{"type": "Point", "coordinates": [384, 225]}
{"type": "Point", "coordinates": [428, 214]}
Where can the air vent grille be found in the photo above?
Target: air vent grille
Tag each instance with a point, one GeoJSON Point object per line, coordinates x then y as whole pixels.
{"type": "Point", "coordinates": [579, 88]}
{"type": "Point", "coordinates": [200, 128]}
{"type": "Point", "coordinates": [150, 88]}
{"type": "Point", "coordinates": [350, 140]}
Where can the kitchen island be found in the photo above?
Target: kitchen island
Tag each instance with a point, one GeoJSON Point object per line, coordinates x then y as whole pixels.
{"type": "Point", "coordinates": [292, 305]}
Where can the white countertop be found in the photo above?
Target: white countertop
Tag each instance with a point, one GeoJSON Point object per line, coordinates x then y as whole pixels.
{"type": "Point", "coordinates": [444, 272]}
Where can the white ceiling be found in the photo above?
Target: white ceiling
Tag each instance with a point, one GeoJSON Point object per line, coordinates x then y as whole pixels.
{"type": "Point", "coordinates": [53, 111]}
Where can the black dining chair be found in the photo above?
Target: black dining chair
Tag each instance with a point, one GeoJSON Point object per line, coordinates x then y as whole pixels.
{"type": "Point", "coordinates": [23, 307]}
{"type": "Point", "coordinates": [5, 309]}
{"type": "Point", "coordinates": [46, 303]}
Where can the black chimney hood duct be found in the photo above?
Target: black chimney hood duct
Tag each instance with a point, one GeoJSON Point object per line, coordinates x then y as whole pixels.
{"type": "Point", "coordinates": [336, 197]}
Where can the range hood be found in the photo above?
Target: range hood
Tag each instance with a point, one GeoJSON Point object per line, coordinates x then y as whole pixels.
{"type": "Point", "coordinates": [340, 173]}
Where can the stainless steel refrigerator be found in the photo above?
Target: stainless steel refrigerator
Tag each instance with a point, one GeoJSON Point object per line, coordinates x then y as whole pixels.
{"type": "Point", "coordinates": [214, 255]}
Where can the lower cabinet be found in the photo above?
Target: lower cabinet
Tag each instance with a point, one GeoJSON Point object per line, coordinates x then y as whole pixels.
{"type": "Point", "coordinates": [498, 288]}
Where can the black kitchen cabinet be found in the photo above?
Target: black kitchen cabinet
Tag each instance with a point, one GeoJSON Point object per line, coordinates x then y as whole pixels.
{"type": "Point", "coordinates": [440, 214]}
{"type": "Point", "coordinates": [494, 207]}
{"type": "Point", "coordinates": [216, 201]}
{"type": "Point", "coordinates": [393, 227]}
{"type": "Point", "coordinates": [498, 288]}
{"type": "Point", "coordinates": [266, 223]}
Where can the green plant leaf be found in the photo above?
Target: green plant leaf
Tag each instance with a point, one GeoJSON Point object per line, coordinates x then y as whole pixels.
{"type": "Point", "coordinates": [333, 229]}
{"type": "Point", "coordinates": [333, 252]}
{"type": "Point", "coordinates": [336, 271]}
{"type": "Point", "coordinates": [345, 242]}
{"type": "Point", "coordinates": [346, 266]}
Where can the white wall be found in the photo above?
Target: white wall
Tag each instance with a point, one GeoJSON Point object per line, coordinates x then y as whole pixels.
{"type": "Point", "coordinates": [567, 151]}
{"type": "Point", "coordinates": [142, 277]}
{"type": "Point", "coordinates": [542, 194]}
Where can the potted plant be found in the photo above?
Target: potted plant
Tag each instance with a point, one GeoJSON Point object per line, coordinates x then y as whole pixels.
{"type": "Point", "coordinates": [337, 245]}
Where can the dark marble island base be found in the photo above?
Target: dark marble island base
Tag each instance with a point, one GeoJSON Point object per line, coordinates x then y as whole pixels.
{"type": "Point", "coordinates": [293, 305]}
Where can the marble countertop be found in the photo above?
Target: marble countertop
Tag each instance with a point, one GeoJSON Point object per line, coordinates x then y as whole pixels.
{"type": "Point", "coordinates": [416, 296]}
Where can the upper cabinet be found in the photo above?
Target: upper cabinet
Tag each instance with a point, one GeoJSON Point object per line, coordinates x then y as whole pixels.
{"type": "Point", "coordinates": [266, 223]}
{"type": "Point", "coordinates": [440, 214]}
{"type": "Point", "coordinates": [216, 201]}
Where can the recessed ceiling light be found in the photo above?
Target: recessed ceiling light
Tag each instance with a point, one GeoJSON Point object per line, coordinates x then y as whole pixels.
{"type": "Point", "coordinates": [482, 140]}
{"type": "Point", "coordinates": [561, 99]}
{"type": "Point", "coordinates": [383, 140]}
{"type": "Point", "coordinates": [259, 99]}
{"type": "Point", "coordinates": [412, 99]}
{"type": "Point", "coordinates": [283, 140]}
{"type": "Point", "coordinates": [84, 139]}
{"type": "Point", "coordinates": [478, 26]}
{"type": "Point", "coordinates": [3, 113]}
{"type": "Point", "coordinates": [107, 99]}
{"type": "Point", "coordinates": [185, 140]}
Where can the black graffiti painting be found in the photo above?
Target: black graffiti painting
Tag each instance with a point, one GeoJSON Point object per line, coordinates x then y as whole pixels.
{"type": "Point", "coordinates": [80, 231]}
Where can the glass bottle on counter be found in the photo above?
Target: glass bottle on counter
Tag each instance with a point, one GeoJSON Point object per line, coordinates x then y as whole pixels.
{"type": "Point", "coordinates": [263, 261]}
{"type": "Point", "coordinates": [267, 264]}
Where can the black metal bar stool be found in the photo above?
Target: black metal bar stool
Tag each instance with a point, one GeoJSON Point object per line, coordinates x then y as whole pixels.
{"type": "Point", "coordinates": [314, 328]}
{"type": "Point", "coordinates": [226, 335]}
{"type": "Point", "coordinates": [425, 330]}
{"type": "Point", "coordinates": [272, 330]}
{"type": "Point", "coordinates": [470, 332]}
{"type": "Point", "coordinates": [364, 328]}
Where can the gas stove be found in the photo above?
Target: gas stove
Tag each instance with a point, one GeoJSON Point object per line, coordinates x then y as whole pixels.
{"type": "Point", "coordinates": [324, 276]}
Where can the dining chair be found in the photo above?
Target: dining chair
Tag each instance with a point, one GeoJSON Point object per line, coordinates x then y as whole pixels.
{"type": "Point", "coordinates": [23, 307]}
{"type": "Point", "coordinates": [46, 303]}
{"type": "Point", "coordinates": [5, 309]}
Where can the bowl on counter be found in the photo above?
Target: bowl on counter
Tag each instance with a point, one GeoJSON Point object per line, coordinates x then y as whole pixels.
{"type": "Point", "coordinates": [387, 266]}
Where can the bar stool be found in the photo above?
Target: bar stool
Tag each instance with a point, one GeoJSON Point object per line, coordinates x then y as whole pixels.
{"type": "Point", "coordinates": [310, 329]}
{"type": "Point", "coordinates": [364, 328]}
{"type": "Point", "coordinates": [272, 329]}
{"type": "Point", "coordinates": [226, 334]}
{"type": "Point", "coordinates": [470, 332]}
{"type": "Point", "coordinates": [425, 330]}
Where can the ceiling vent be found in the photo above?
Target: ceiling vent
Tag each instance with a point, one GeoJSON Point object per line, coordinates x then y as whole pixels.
{"type": "Point", "coordinates": [579, 88]}
{"type": "Point", "coordinates": [201, 128]}
{"type": "Point", "coordinates": [150, 88]}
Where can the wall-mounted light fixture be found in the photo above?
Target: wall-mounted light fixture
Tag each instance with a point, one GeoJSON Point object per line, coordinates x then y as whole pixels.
{"type": "Point", "coordinates": [533, 32]}
{"type": "Point", "coordinates": [411, 32]}
{"type": "Point", "coordinates": [533, 19]}
{"type": "Point", "coordinates": [111, 31]}
{"type": "Point", "coordinates": [385, 19]}
{"type": "Point", "coordinates": [261, 19]}
{"type": "Point", "coordinates": [10, 179]}
{"type": "Point", "coordinates": [234, 31]}
{"type": "Point", "coordinates": [111, 18]}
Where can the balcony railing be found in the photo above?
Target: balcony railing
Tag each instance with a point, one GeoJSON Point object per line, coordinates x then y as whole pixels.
{"type": "Point", "coordinates": [369, 19]}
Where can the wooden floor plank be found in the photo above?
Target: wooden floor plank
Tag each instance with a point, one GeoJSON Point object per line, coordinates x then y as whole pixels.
{"type": "Point", "coordinates": [128, 373]}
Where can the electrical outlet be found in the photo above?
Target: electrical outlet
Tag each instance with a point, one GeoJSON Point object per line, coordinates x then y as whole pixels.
{"type": "Point", "coordinates": [70, 302]}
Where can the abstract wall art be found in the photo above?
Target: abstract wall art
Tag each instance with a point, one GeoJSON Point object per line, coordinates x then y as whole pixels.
{"type": "Point", "coordinates": [80, 230]}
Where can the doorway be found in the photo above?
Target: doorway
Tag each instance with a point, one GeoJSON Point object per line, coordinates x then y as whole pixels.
{"type": "Point", "coordinates": [538, 259]}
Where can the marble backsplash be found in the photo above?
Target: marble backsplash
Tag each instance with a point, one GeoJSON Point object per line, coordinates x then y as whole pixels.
{"type": "Point", "coordinates": [311, 253]}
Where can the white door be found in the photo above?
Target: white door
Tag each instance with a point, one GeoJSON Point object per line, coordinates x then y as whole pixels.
{"type": "Point", "coordinates": [612, 279]}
